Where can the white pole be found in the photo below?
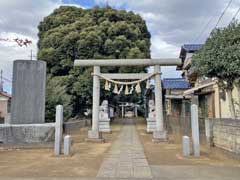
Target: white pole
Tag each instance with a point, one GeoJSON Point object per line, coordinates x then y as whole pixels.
{"type": "Point", "coordinates": [136, 110]}
{"type": "Point", "coordinates": [122, 111]}
{"type": "Point", "coordinates": [96, 99]}
{"type": "Point", "coordinates": [159, 133]}
{"type": "Point", "coordinates": [195, 126]}
{"type": "Point", "coordinates": [58, 130]}
{"type": "Point", "coordinates": [158, 99]}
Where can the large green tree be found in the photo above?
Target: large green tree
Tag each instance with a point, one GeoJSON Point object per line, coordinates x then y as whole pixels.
{"type": "Point", "coordinates": [71, 33]}
{"type": "Point", "coordinates": [220, 58]}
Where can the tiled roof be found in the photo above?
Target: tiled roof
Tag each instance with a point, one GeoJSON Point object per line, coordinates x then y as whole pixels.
{"type": "Point", "coordinates": [175, 83]}
{"type": "Point", "coordinates": [5, 94]}
{"type": "Point", "coordinates": [192, 47]}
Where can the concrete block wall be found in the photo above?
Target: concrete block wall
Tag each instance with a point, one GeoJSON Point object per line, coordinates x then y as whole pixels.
{"type": "Point", "coordinates": [226, 134]}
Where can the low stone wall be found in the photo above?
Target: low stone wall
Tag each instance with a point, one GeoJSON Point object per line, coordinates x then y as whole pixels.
{"type": "Point", "coordinates": [27, 133]}
{"type": "Point", "coordinates": [182, 125]}
{"type": "Point", "coordinates": [226, 134]}
{"type": "Point", "coordinates": [179, 125]}
{"type": "Point", "coordinates": [72, 126]}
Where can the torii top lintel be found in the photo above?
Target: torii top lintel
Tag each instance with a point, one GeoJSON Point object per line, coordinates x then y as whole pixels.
{"type": "Point", "coordinates": [128, 62]}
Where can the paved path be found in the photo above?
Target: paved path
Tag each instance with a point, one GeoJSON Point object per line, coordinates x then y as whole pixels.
{"type": "Point", "coordinates": [126, 158]}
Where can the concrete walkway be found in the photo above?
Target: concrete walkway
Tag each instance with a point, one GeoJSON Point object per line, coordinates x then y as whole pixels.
{"type": "Point", "coordinates": [126, 158]}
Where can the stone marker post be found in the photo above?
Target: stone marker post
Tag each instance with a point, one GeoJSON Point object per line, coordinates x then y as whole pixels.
{"type": "Point", "coordinates": [186, 145]}
{"type": "Point", "coordinates": [67, 145]}
{"type": "Point", "coordinates": [122, 111]}
{"type": "Point", "coordinates": [195, 126]}
{"type": "Point", "coordinates": [94, 133]}
{"type": "Point", "coordinates": [160, 132]}
{"type": "Point", "coordinates": [58, 130]}
{"type": "Point", "coordinates": [209, 131]}
{"type": "Point", "coordinates": [136, 110]}
{"type": "Point", "coordinates": [28, 92]}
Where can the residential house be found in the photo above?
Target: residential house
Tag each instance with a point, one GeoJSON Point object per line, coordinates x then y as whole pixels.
{"type": "Point", "coordinates": [213, 102]}
{"type": "Point", "coordinates": [5, 103]}
{"type": "Point", "coordinates": [173, 89]}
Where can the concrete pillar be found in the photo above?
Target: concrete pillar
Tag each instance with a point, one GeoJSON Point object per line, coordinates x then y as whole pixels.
{"type": "Point", "coordinates": [58, 130]}
{"type": "Point", "coordinates": [195, 126]}
{"type": "Point", "coordinates": [136, 110]}
{"type": "Point", "coordinates": [122, 111]}
{"type": "Point", "coordinates": [94, 133]}
{"type": "Point", "coordinates": [186, 145]}
{"type": "Point", "coordinates": [209, 131]}
{"type": "Point", "coordinates": [184, 123]}
{"type": "Point", "coordinates": [160, 132]}
{"type": "Point", "coordinates": [28, 92]}
{"type": "Point", "coordinates": [67, 145]}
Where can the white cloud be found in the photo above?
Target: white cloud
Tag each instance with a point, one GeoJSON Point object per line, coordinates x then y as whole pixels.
{"type": "Point", "coordinates": [19, 19]}
{"type": "Point", "coordinates": [173, 23]}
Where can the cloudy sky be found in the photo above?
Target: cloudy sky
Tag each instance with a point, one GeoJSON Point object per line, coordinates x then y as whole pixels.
{"type": "Point", "coordinates": [172, 23]}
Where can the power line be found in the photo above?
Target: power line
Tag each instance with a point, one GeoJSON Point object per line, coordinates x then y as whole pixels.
{"type": "Point", "coordinates": [204, 29]}
{"type": "Point", "coordinates": [210, 20]}
{"type": "Point", "coordinates": [220, 18]}
{"type": "Point", "coordinates": [6, 79]}
{"type": "Point", "coordinates": [235, 15]}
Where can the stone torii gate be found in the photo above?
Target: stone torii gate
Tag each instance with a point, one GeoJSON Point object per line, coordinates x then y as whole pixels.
{"type": "Point", "coordinates": [160, 132]}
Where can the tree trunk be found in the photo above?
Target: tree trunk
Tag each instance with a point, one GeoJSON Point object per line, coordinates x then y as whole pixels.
{"type": "Point", "coordinates": [231, 104]}
{"type": "Point", "coordinates": [238, 91]}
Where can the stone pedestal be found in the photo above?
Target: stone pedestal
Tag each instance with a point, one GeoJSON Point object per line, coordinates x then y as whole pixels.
{"type": "Point", "coordinates": [159, 136]}
{"type": "Point", "coordinates": [94, 135]}
{"type": "Point", "coordinates": [151, 124]}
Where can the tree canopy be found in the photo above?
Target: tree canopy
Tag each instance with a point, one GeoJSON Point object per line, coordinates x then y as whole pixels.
{"type": "Point", "coordinates": [220, 58]}
{"type": "Point", "coordinates": [71, 33]}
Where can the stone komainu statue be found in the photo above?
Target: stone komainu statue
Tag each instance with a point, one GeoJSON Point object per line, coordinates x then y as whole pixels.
{"type": "Point", "coordinates": [151, 120]}
{"type": "Point", "coordinates": [104, 120]}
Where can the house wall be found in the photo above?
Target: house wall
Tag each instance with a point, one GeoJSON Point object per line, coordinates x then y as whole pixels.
{"type": "Point", "coordinates": [226, 134]}
{"type": "Point", "coordinates": [4, 107]}
{"type": "Point", "coordinates": [222, 103]}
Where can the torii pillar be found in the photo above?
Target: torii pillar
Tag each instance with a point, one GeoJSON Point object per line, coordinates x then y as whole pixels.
{"type": "Point", "coordinates": [94, 133]}
{"type": "Point", "coordinates": [160, 132]}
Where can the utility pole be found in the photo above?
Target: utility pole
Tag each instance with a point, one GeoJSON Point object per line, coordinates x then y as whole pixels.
{"type": "Point", "coordinates": [1, 81]}
{"type": "Point", "coordinates": [31, 55]}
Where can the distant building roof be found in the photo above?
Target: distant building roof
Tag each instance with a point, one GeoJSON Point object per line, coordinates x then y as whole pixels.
{"type": "Point", "coordinates": [5, 94]}
{"type": "Point", "coordinates": [175, 83]}
{"type": "Point", "coordinates": [192, 47]}
{"type": "Point", "coordinates": [188, 48]}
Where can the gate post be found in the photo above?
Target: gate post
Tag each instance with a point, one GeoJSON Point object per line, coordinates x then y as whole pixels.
{"type": "Point", "coordinates": [94, 133]}
{"type": "Point", "coordinates": [159, 133]}
{"type": "Point", "coordinates": [195, 126]}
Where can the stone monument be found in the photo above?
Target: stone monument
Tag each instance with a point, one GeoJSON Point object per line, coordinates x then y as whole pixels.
{"type": "Point", "coordinates": [104, 120]}
{"type": "Point", "coordinates": [27, 124]}
{"type": "Point", "coordinates": [151, 120]}
{"type": "Point", "coordinates": [28, 93]}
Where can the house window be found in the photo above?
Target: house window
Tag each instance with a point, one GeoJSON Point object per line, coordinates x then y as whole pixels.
{"type": "Point", "coordinates": [9, 106]}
